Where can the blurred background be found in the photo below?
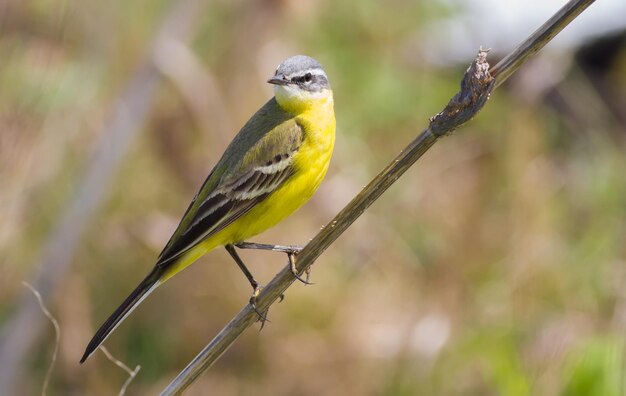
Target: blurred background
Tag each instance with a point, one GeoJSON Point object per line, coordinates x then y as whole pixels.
{"type": "Point", "coordinates": [495, 266]}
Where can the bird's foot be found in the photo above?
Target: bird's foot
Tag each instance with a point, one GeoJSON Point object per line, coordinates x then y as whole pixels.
{"type": "Point", "coordinates": [292, 265]}
{"type": "Point", "coordinates": [262, 315]}
{"type": "Point", "coordinates": [253, 300]}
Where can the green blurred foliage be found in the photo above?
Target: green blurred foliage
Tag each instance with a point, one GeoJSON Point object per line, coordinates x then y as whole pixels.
{"type": "Point", "coordinates": [494, 267]}
{"type": "Point", "coordinates": [597, 368]}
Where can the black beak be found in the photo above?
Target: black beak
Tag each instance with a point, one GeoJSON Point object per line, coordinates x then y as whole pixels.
{"type": "Point", "coordinates": [278, 80]}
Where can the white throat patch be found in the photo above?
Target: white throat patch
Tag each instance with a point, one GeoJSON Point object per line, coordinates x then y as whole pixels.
{"type": "Point", "coordinates": [290, 93]}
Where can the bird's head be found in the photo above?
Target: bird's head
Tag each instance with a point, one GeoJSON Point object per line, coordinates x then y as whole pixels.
{"type": "Point", "coordinates": [300, 81]}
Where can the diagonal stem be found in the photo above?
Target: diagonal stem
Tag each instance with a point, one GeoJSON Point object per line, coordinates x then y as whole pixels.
{"type": "Point", "coordinates": [475, 89]}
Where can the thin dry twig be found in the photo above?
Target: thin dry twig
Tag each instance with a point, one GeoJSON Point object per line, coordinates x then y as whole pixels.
{"type": "Point", "coordinates": [57, 335]}
{"type": "Point", "coordinates": [131, 373]}
{"type": "Point", "coordinates": [477, 84]}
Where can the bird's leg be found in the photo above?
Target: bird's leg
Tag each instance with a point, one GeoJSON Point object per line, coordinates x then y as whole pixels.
{"type": "Point", "coordinates": [253, 282]}
{"type": "Point", "coordinates": [292, 252]}
{"type": "Point", "coordinates": [289, 249]}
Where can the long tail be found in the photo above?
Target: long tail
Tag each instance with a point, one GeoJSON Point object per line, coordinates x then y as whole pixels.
{"type": "Point", "coordinates": [142, 291]}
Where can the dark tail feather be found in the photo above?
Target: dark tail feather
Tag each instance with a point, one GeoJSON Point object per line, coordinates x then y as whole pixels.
{"type": "Point", "coordinates": [142, 291]}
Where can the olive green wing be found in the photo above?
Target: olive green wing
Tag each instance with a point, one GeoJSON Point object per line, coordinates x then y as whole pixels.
{"type": "Point", "coordinates": [247, 174]}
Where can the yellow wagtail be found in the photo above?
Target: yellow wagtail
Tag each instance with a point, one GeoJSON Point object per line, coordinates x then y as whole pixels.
{"type": "Point", "coordinates": [269, 170]}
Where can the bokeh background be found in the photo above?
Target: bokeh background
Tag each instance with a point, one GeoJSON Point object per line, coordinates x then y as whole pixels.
{"type": "Point", "coordinates": [495, 266]}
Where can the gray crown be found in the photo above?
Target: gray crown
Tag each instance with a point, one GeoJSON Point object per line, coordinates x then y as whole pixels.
{"type": "Point", "coordinates": [303, 71]}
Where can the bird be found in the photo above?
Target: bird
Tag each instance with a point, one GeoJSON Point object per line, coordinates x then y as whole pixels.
{"type": "Point", "coordinates": [272, 167]}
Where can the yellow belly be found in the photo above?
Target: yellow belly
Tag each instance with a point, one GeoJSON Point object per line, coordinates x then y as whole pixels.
{"type": "Point", "coordinates": [310, 165]}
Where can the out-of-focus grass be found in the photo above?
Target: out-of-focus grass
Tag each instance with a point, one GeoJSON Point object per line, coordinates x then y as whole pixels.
{"type": "Point", "coordinates": [596, 368]}
{"type": "Point", "coordinates": [494, 267]}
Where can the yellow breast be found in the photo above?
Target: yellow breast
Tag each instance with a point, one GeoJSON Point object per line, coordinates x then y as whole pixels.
{"type": "Point", "coordinates": [310, 164]}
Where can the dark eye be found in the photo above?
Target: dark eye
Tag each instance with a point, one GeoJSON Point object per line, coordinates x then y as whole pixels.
{"type": "Point", "coordinates": [308, 77]}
